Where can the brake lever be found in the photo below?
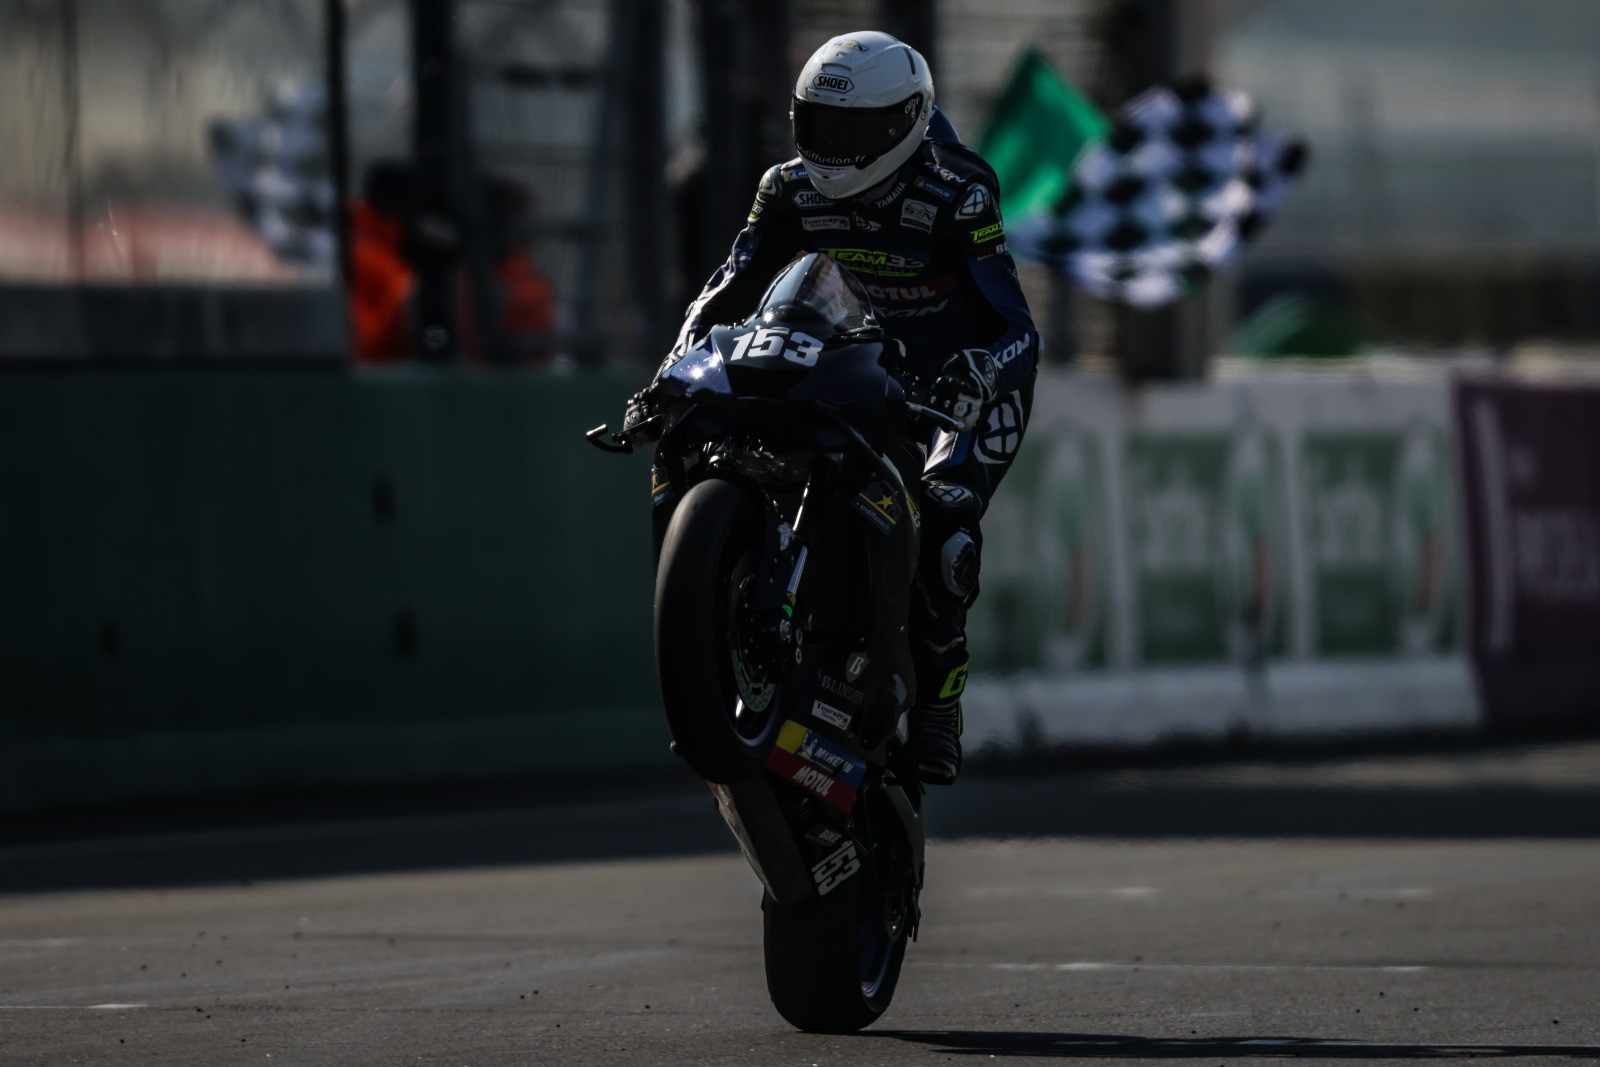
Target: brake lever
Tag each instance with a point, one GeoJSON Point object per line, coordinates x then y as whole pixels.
{"type": "Point", "coordinates": [621, 445]}
{"type": "Point", "coordinates": [935, 416]}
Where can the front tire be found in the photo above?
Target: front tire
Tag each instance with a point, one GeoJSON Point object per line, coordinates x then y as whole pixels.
{"type": "Point", "coordinates": [721, 700]}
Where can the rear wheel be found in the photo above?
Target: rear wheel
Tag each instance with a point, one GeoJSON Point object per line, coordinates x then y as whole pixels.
{"type": "Point", "coordinates": [718, 684]}
{"type": "Point", "coordinates": [833, 963]}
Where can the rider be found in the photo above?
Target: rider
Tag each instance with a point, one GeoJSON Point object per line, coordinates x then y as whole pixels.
{"type": "Point", "coordinates": [884, 186]}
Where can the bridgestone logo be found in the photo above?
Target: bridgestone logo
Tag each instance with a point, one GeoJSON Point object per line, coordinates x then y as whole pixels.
{"type": "Point", "coordinates": [833, 83]}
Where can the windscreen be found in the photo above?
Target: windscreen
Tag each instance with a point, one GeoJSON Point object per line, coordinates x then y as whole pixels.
{"type": "Point", "coordinates": [816, 290]}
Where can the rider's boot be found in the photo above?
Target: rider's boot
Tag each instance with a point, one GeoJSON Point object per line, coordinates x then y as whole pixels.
{"type": "Point", "coordinates": [936, 742]}
{"type": "Point", "coordinates": [948, 583]}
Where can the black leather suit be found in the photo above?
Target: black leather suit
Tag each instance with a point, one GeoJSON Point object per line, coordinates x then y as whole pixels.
{"type": "Point", "coordinates": [930, 247]}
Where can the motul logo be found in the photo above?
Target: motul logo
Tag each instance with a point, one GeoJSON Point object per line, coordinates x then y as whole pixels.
{"type": "Point", "coordinates": [813, 780]}
{"type": "Point", "coordinates": [834, 83]}
{"type": "Point", "coordinates": [900, 292]}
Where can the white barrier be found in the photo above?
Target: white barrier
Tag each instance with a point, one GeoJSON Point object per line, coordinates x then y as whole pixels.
{"type": "Point", "coordinates": [1278, 553]}
{"type": "Point", "coordinates": [1017, 713]}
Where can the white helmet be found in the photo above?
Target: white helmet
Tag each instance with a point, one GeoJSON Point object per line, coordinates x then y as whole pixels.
{"type": "Point", "coordinates": [861, 105]}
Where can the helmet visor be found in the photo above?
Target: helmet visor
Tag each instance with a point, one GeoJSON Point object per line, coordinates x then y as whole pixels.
{"type": "Point", "coordinates": [851, 136]}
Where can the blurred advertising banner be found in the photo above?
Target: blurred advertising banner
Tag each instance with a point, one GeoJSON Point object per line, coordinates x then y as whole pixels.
{"type": "Point", "coordinates": [1231, 522]}
{"type": "Point", "coordinates": [1378, 529]}
{"type": "Point", "coordinates": [1273, 553]}
{"type": "Point", "coordinates": [1204, 524]}
{"type": "Point", "coordinates": [1531, 465]}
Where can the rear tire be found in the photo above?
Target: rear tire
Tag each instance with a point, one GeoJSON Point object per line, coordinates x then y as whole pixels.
{"type": "Point", "coordinates": [721, 704]}
{"type": "Point", "coordinates": [832, 968]}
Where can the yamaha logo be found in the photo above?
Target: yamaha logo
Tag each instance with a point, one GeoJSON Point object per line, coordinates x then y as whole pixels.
{"type": "Point", "coordinates": [834, 83]}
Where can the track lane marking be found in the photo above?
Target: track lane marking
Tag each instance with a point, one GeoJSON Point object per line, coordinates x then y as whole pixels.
{"type": "Point", "coordinates": [374, 974]}
{"type": "Point", "coordinates": [70, 1007]}
{"type": "Point", "coordinates": [1090, 965]}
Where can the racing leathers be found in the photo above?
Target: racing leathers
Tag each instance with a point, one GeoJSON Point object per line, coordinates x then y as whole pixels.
{"type": "Point", "coordinates": [930, 247]}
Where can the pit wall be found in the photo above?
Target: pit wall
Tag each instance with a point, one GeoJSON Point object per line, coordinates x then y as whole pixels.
{"type": "Point", "coordinates": [239, 581]}
{"type": "Point", "coordinates": [215, 583]}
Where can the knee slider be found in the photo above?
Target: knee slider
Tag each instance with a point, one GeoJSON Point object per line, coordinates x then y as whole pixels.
{"type": "Point", "coordinates": [958, 564]}
{"type": "Point", "coordinates": [950, 553]}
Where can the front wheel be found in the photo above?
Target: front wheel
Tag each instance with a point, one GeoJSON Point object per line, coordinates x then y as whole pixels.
{"type": "Point", "coordinates": [718, 686]}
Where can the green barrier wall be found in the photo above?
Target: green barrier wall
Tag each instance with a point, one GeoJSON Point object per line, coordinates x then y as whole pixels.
{"type": "Point", "coordinates": [215, 582]}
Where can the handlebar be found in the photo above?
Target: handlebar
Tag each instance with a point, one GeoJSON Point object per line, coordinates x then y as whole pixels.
{"type": "Point", "coordinates": [618, 444]}
{"type": "Point", "coordinates": [917, 393]}
{"type": "Point", "coordinates": [935, 416]}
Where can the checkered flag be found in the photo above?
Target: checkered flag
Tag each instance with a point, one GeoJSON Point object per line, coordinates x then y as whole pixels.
{"type": "Point", "coordinates": [1182, 181]}
{"type": "Point", "coordinates": [276, 167]}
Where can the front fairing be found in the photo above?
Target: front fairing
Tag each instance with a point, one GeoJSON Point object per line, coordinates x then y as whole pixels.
{"type": "Point", "coordinates": [782, 384]}
{"type": "Point", "coordinates": [702, 369]}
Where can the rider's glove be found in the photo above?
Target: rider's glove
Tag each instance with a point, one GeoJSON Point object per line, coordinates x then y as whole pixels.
{"type": "Point", "coordinates": [636, 419]}
{"type": "Point", "coordinates": [965, 385]}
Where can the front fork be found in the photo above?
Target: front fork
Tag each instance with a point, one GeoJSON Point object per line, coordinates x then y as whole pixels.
{"type": "Point", "coordinates": [775, 607]}
{"type": "Point", "coordinates": [773, 603]}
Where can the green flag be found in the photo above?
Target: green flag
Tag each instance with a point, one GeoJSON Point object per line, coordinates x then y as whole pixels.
{"type": "Point", "coordinates": [1034, 133]}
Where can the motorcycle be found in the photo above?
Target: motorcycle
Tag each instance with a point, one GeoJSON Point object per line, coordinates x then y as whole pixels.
{"type": "Point", "coordinates": [785, 493]}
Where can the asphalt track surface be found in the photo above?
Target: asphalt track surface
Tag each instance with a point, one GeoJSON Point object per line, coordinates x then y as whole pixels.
{"type": "Point", "coordinates": [1374, 909]}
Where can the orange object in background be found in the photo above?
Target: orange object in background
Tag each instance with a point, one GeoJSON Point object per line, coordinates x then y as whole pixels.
{"type": "Point", "coordinates": [530, 302]}
{"type": "Point", "coordinates": [383, 284]}
{"type": "Point", "coordinates": [527, 310]}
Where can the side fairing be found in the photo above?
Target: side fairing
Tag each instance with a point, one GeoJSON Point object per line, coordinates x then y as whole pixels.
{"type": "Point", "coordinates": [700, 370]}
